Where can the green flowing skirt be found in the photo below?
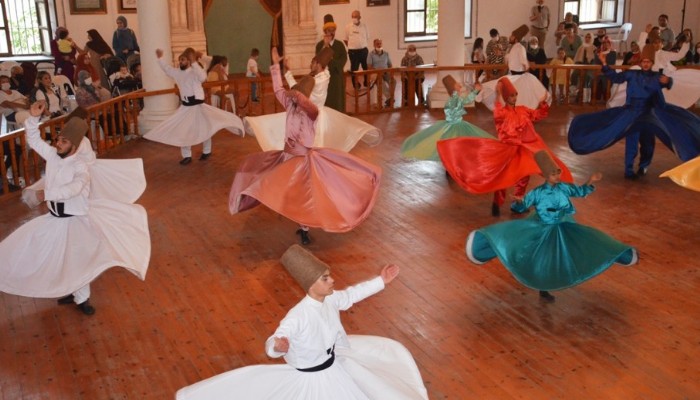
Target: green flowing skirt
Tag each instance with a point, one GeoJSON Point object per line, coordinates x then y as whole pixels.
{"type": "Point", "coordinates": [548, 256]}
{"type": "Point", "coordinates": [422, 145]}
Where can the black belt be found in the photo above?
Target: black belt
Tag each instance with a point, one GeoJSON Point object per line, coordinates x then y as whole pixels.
{"type": "Point", "coordinates": [57, 210]}
{"type": "Point", "coordinates": [357, 50]}
{"type": "Point", "coordinates": [191, 101]}
{"type": "Point", "coordinates": [327, 364]}
{"type": "Point", "coordinates": [517, 73]}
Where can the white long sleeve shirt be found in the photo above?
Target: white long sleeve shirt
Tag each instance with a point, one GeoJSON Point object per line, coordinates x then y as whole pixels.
{"type": "Point", "coordinates": [517, 58]}
{"type": "Point", "coordinates": [320, 90]}
{"type": "Point", "coordinates": [67, 179]}
{"type": "Point", "coordinates": [663, 58]}
{"type": "Point", "coordinates": [313, 327]}
{"type": "Point", "coordinates": [189, 81]}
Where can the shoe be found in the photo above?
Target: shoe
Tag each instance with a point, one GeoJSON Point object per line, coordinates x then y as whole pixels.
{"type": "Point", "coordinates": [546, 296]}
{"type": "Point", "coordinates": [495, 210]}
{"type": "Point", "coordinates": [642, 171]}
{"type": "Point", "coordinates": [304, 236]}
{"type": "Point", "coordinates": [186, 161]}
{"type": "Point", "coordinates": [86, 308]}
{"type": "Point", "coordinates": [66, 300]}
{"type": "Point", "coordinates": [204, 156]}
{"type": "Point", "coordinates": [632, 177]}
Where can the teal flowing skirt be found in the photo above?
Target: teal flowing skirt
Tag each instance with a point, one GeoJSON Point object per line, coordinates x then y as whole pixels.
{"type": "Point", "coordinates": [548, 256]}
{"type": "Point", "coordinates": [422, 145]}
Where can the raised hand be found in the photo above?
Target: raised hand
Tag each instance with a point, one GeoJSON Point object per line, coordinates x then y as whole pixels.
{"type": "Point", "coordinates": [38, 108]}
{"type": "Point", "coordinates": [275, 56]}
{"type": "Point", "coordinates": [595, 177]}
{"type": "Point", "coordinates": [281, 345]}
{"type": "Point", "coordinates": [389, 272]}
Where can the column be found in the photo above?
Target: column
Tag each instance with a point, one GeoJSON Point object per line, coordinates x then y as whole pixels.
{"type": "Point", "coordinates": [450, 47]}
{"type": "Point", "coordinates": [155, 33]}
{"type": "Point", "coordinates": [187, 26]}
{"type": "Point", "coordinates": [300, 34]}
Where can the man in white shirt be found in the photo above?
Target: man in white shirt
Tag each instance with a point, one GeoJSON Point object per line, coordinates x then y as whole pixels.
{"type": "Point", "coordinates": [194, 122]}
{"type": "Point", "coordinates": [357, 40]}
{"type": "Point", "coordinates": [517, 55]}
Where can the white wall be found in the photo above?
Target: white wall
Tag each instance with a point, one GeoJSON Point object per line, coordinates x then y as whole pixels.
{"type": "Point", "coordinates": [105, 24]}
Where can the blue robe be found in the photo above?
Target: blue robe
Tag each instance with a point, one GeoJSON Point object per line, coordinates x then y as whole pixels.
{"type": "Point", "coordinates": [549, 250]}
{"type": "Point", "coordinates": [644, 115]}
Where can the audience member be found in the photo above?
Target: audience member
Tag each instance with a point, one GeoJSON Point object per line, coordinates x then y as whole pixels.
{"type": "Point", "coordinates": [560, 33]}
{"type": "Point", "coordinates": [89, 92]}
{"type": "Point", "coordinates": [120, 75]}
{"type": "Point", "coordinates": [586, 53]}
{"type": "Point", "coordinates": [537, 56]}
{"type": "Point", "coordinates": [539, 21]}
{"type": "Point", "coordinates": [560, 76]}
{"type": "Point", "coordinates": [85, 64]}
{"type": "Point", "coordinates": [412, 59]}
{"type": "Point", "coordinates": [496, 51]}
{"type": "Point", "coordinates": [218, 71]}
{"type": "Point", "coordinates": [379, 59]}
{"type": "Point", "coordinates": [571, 42]}
{"type": "Point", "coordinates": [13, 104]}
{"type": "Point", "coordinates": [634, 56]}
{"type": "Point", "coordinates": [665, 32]}
{"type": "Point", "coordinates": [18, 81]}
{"type": "Point", "coordinates": [357, 40]}
{"type": "Point", "coordinates": [124, 40]}
{"type": "Point", "coordinates": [252, 72]}
{"type": "Point", "coordinates": [98, 50]}
{"type": "Point", "coordinates": [600, 34]}
{"type": "Point", "coordinates": [63, 50]}
{"type": "Point", "coordinates": [47, 91]}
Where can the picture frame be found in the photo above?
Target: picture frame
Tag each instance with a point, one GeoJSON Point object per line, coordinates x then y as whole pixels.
{"type": "Point", "coordinates": [373, 3]}
{"type": "Point", "coordinates": [88, 6]}
{"type": "Point", "coordinates": [126, 6]}
{"type": "Point", "coordinates": [329, 2]}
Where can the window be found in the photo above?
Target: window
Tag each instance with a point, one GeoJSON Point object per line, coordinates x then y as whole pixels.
{"type": "Point", "coordinates": [421, 19]}
{"type": "Point", "coordinates": [24, 27]}
{"type": "Point", "coordinates": [596, 12]}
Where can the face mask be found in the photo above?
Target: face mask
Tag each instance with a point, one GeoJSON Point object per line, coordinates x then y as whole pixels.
{"type": "Point", "coordinates": [378, 49]}
{"type": "Point", "coordinates": [411, 53]}
{"type": "Point", "coordinates": [88, 81]}
{"type": "Point", "coordinates": [356, 21]}
{"type": "Point", "coordinates": [5, 86]}
{"type": "Point", "coordinates": [534, 46]}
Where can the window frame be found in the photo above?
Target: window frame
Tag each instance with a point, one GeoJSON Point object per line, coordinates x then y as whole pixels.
{"type": "Point", "coordinates": [617, 21]}
{"type": "Point", "coordinates": [44, 27]}
{"type": "Point", "coordinates": [407, 37]}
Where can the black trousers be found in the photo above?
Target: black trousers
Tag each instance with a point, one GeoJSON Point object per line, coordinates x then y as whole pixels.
{"type": "Point", "coordinates": [358, 57]}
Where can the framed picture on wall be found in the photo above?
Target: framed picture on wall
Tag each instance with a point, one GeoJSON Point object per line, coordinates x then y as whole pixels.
{"type": "Point", "coordinates": [327, 2]}
{"type": "Point", "coordinates": [126, 6]}
{"type": "Point", "coordinates": [372, 3]}
{"type": "Point", "coordinates": [88, 6]}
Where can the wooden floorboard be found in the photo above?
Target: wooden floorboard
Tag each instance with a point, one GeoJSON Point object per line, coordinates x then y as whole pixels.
{"type": "Point", "coordinates": [215, 290]}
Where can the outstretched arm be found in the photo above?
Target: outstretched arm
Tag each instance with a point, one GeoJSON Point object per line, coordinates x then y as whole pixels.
{"type": "Point", "coordinates": [34, 139]}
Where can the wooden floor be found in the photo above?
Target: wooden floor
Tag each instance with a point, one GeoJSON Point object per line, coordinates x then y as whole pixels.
{"type": "Point", "coordinates": [215, 289]}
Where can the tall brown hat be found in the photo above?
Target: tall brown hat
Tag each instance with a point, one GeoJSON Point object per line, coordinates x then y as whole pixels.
{"type": "Point", "coordinates": [74, 130]}
{"type": "Point", "coordinates": [450, 84]}
{"type": "Point", "coordinates": [546, 163]}
{"type": "Point", "coordinates": [520, 32]}
{"type": "Point", "coordinates": [328, 22]}
{"type": "Point", "coordinates": [303, 266]}
{"type": "Point", "coordinates": [653, 36]}
{"type": "Point", "coordinates": [324, 56]}
{"type": "Point", "coordinates": [305, 85]}
{"type": "Point", "coordinates": [648, 52]}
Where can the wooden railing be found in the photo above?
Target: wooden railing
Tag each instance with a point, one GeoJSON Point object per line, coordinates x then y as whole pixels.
{"type": "Point", "coordinates": [115, 122]}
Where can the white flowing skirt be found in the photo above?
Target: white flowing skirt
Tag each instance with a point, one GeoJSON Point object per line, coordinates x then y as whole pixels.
{"type": "Point", "coordinates": [333, 129]}
{"type": "Point", "coordinates": [191, 125]}
{"type": "Point", "coordinates": [530, 91]}
{"type": "Point", "coordinates": [684, 93]}
{"type": "Point", "coordinates": [373, 368]}
{"type": "Point", "coordinates": [53, 257]}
